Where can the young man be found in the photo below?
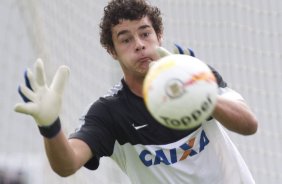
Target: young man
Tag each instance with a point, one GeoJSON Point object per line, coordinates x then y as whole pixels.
{"type": "Point", "coordinates": [118, 125]}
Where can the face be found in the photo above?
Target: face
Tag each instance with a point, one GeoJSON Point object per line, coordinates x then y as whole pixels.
{"type": "Point", "coordinates": [135, 45]}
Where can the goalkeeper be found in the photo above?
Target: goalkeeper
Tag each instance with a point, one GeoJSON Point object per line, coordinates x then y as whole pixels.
{"type": "Point", "coordinates": [119, 126]}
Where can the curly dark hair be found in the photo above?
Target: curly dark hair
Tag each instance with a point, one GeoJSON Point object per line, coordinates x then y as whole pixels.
{"type": "Point", "coordinates": [118, 10]}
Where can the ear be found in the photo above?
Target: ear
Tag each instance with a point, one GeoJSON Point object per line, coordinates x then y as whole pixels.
{"type": "Point", "coordinates": [113, 53]}
{"type": "Point", "coordinates": [160, 38]}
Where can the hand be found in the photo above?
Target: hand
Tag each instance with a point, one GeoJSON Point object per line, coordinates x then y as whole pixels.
{"type": "Point", "coordinates": [180, 50]}
{"type": "Point", "coordinates": [177, 50]}
{"type": "Point", "coordinates": [43, 103]}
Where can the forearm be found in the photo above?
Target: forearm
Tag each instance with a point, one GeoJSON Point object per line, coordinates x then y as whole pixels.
{"type": "Point", "coordinates": [235, 116]}
{"type": "Point", "coordinates": [60, 155]}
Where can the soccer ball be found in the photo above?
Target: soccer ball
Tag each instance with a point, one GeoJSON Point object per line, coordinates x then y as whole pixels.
{"type": "Point", "coordinates": [180, 91]}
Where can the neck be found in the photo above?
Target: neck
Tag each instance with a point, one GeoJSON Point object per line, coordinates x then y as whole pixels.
{"type": "Point", "coordinates": [135, 85]}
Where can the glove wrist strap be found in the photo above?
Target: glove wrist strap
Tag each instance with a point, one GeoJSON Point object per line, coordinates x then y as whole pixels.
{"type": "Point", "coordinates": [52, 130]}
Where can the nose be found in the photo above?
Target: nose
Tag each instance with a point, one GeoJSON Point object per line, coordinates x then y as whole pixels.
{"type": "Point", "coordinates": [140, 48]}
{"type": "Point", "coordinates": [139, 45]}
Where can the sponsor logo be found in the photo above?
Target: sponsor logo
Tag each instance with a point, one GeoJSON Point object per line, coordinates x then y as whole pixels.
{"type": "Point", "coordinates": [139, 127]}
{"type": "Point", "coordinates": [174, 155]}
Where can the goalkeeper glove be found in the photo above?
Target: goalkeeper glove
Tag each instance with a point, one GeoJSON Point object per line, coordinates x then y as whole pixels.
{"type": "Point", "coordinates": [180, 50]}
{"type": "Point", "coordinates": [177, 50]}
{"type": "Point", "coordinates": [43, 103]}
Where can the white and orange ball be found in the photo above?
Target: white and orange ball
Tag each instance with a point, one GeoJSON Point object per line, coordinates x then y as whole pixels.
{"type": "Point", "coordinates": [180, 91]}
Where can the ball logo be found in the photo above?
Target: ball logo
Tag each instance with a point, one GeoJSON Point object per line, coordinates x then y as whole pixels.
{"type": "Point", "coordinates": [188, 119]}
{"type": "Point", "coordinates": [174, 88]}
{"type": "Point", "coordinates": [203, 76]}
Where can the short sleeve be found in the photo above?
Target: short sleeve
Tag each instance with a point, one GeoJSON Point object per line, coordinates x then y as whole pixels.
{"type": "Point", "coordinates": [97, 132]}
{"type": "Point", "coordinates": [230, 94]}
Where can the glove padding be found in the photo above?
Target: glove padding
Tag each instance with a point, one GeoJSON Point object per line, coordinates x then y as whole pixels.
{"type": "Point", "coordinates": [177, 50]}
{"type": "Point", "coordinates": [43, 103]}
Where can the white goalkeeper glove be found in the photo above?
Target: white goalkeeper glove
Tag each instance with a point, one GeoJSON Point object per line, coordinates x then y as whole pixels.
{"type": "Point", "coordinates": [177, 50]}
{"type": "Point", "coordinates": [43, 103]}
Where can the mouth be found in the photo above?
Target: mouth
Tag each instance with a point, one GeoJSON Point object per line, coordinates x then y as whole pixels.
{"type": "Point", "coordinates": [144, 62]}
{"type": "Point", "coordinates": [145, 59]}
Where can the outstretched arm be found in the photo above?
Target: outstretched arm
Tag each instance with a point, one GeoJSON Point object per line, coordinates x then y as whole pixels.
{"type": "Point", "coordinates": [66, 156]}
{"type": "Point", "coordinates": [43, 103]}
{"type": "Point", "coordinates": [235, 115]}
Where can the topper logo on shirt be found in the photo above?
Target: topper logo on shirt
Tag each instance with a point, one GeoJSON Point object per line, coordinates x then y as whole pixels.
{"type": "Point", "coordinates": [170, 156]}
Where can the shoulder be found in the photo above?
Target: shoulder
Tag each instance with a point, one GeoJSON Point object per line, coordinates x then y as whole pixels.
{"type": "Point", "coordinates": [220, 81]}
{"type": "Point", "coordinates": [114, 90]}
{"type": "Point", "coordinates": [224, 90]}
{"type": "Point", "coordinates": [230, 93]}
{"type": "Point", "coordinates": [112, 98]}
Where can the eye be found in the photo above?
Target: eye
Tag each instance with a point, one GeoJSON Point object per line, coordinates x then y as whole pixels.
{"type": "Point", "coordinates": [145, 34]}
{"type": "Point", "coordinates": [126, 39]}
